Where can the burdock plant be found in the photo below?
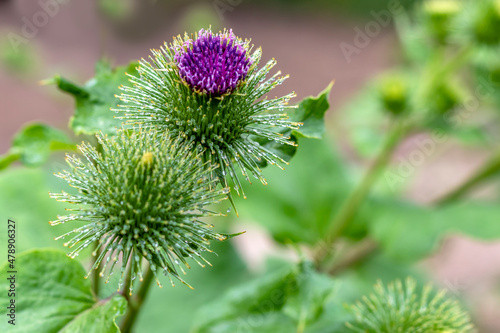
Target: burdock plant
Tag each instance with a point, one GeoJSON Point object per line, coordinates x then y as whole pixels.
{"type": "Point", "coordinates": [207, 89]}
{"type": "Point", "coordinates": [142, 197]}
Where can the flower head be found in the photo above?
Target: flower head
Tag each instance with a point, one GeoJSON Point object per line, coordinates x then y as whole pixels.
{"type": "Point", "coordinates": [213, 63]}
{"type": "Point", "coordinates": [206, 88]}
{"type": "Point", "coordinates": [399, 308]}
{"type": "Point", "coordinates": [142, 197]}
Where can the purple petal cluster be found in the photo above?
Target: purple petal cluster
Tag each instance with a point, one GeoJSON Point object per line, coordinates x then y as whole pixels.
{"type": "Point", "coordinates": [213, 64]}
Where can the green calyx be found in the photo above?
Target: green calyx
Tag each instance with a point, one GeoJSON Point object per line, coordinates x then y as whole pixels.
{"type": "Point", "coordinates": [142, 197]}
{"type": "Point", "coordinates": [394, 93]}
{"type": "Point", "coordinates": [228, 130]}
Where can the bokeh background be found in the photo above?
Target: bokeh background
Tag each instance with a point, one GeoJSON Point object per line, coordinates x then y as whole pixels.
{"type": "Point", "coordinates": [305, 38]}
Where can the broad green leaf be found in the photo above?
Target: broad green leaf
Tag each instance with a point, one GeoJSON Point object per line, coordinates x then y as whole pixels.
{"type": "Point", "coordinates": [311, 112]}
{"type": "Point", "coordinates": [94, 99]}
{"type": "Point", "coordinates": [24, 198]}
{"type": "Point", "coordinates": [298, 204]}
{"type": "Point", "coordinates": [295, 298]}
{"type": "Point", "coordinates": [286, 300]}
{"type": "Point", "coordinates": [53, 296]}
{"type": "Point", "coordinates": [408, 232]}
{"type": "Point", "coordinates": [100, 318]}
{"type": "Point", "coordinates": [172, 309]}
{"type": "Point", "coordinates": [281, 301]}
{"type": "Point", "coordinates": [33, 144]}
{"type": "Point", "coordinates": [313, 293]}
{"type": "Point", "coordinates": [404, 231]}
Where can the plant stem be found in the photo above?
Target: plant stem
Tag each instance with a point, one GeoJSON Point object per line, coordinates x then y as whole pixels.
{"type": "Point", "coordinates": [455, 62]}
{"type": "Point", "coordinates": [135, 303]}
{"type": "Point", "coordinates": [491, 168]}
{"type": "Point", "coordinates": [363, 249]}
{"type": "Point", "coordinates": [354, 201]}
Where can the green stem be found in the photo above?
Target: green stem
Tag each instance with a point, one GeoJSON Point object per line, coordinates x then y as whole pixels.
{"type": "Point", "coordinates": [358, 252]}
{"type": "Point", "coordinates": [455, 62]}
{"type": "Point", "coordinates": [348, 211]}
{"type": "Point", "coordinates": [354, 201]}
{"type": "Point", "coordinates": [302, 321]}
{"type": "Point", "coordinates": [8, 159]}
{"type": "Point", "coordinates": [136, 303]}
{"type": "Point", "coordinates": [491, 168]}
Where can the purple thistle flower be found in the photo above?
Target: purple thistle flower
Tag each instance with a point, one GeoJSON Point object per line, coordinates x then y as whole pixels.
{"type": "Point", "coordinates": [231, 123]}
{"type": "Point", "coordinates": [213, 64]}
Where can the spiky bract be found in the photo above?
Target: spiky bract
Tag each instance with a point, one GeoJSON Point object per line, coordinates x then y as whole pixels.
{"type": "Point", "coordinates": [399, 308]}
{"type": "Point", "coordinates": [142, 197]}
{"type": "Point", "coordinates": [229, 128]}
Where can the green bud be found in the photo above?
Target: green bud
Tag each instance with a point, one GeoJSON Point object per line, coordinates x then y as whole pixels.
{"type": "Point", "coordinates": [443, 98]}
{"type": "Point", "coordinates": [487, 22]}
{"type": "Point", "coordinates": [394, 94]}
{"type": "Point", "coordinates": [495, 75]}
{"type": "Point", "coordinates": [141, 198]}
{"type": "Point", "coordinates": [438, 17]}
{"type": "Point", "coordinates": [399, 307]}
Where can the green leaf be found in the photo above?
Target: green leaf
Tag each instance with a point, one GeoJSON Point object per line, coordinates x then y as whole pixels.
{"type": "Point", "coordinates": [310, 112]}
{"type": "Point", "coordinates": [286, 300]}
{"type": "Point", "coordinates": [24, 198]}
{"type": "Point", "coordinates": [408, 232]}
{"type": "Point", "coordinates": [51, 295]}
{"type": "Point", "coordinates": [34, 143]}
{"type": "Point", "coordinates": [308, 303]}
{"type": "Point", "coordinates": [298, 204]}
{"type": "Point", "coordinates": [94, 100]}
{"type": "Point", "coordinates": [100, 318]}
{"type": "Point", "coordinates": [405, 232]}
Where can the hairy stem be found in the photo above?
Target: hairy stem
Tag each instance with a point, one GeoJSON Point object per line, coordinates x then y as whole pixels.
{"type": "Point", "coordinates": [358, 252]}
{"type": "Point", "coordinates": [357, 197]}
{"type": "Point", "coordinates": [135, 303]}
{"type": "Point", "coordinates": [348, 211]}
